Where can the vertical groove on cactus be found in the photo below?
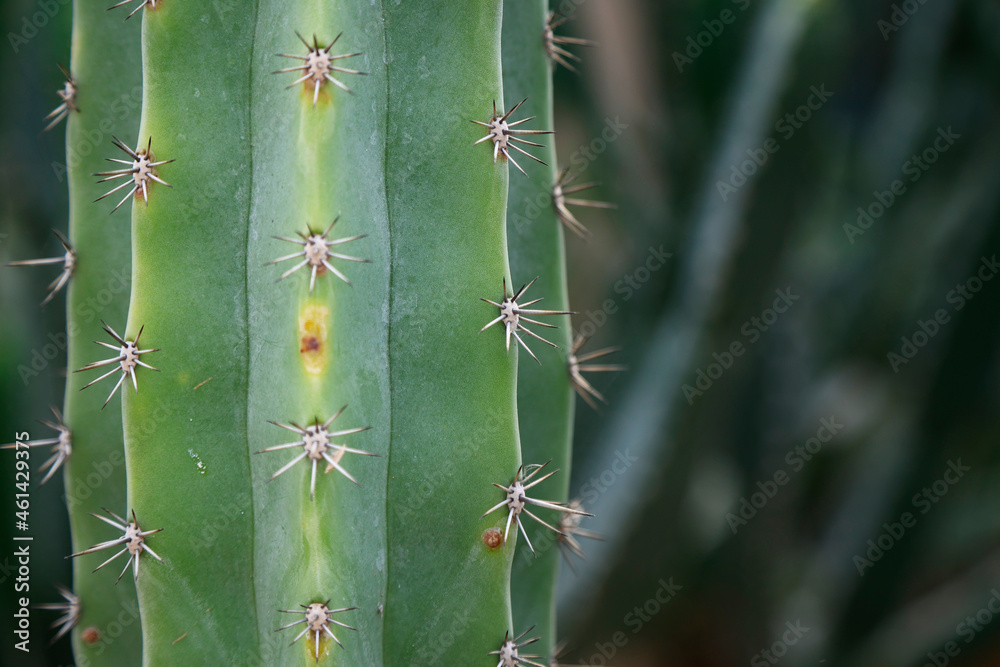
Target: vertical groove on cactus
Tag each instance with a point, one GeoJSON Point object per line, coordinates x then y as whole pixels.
{"type": "Point", "coordinates": [505, 138]}
{"type": "Point", "coordinates": [317, 342]}
{"type": "Point", "coordinates": [107, 76]}
{"type": "Point", "coordinates": [125, 362]}
{"type": "Point", "coordinates": [512, 314]}
{"type": "Point", "coordinates": [545, 398]}
{"type": "Point", "coordinates": [186, 454]}
{"type": "Point", "coordinates": [139, 172]}
{"type": "Point", "coordinates": [452, 390]}
{"type": "Point", "coordinates": [132, 542]}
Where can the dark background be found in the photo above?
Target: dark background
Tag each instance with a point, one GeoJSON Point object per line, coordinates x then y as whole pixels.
{"type": "Point", "coordinates": [665, 469]}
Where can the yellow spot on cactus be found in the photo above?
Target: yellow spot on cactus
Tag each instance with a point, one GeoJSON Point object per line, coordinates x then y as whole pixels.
{"type": "Point", "coordinates": [311, 650]}
{"type": "Point", "coordinates": [313, 337]}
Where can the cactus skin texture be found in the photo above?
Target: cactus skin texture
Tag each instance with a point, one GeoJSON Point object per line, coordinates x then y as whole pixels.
{"type": "Point", "coordinates": [545, 398]}
{"type": "Point", "coordinates": [255, 160]}
{"type": "Point", "coordinates": [186, 449]}
{"type": "Point", "coordinates": [407, 550]}
{"type": "Point", "coordinates": [453, 393]}
{"type": "Point", "coordinates": [106, 66]}
{"type": "Point", "coordinates": [312, 354]}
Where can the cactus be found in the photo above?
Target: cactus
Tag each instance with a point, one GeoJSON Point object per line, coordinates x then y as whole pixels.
{"type": "Point", "coordinates": [329, 452]}
{"type": "Point", "coordinates": [545, 398]}
{"type": "Point", "coordinates": [107, 72]}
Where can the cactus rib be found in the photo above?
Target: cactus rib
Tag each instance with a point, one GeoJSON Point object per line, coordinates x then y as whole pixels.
{"type": "Point", "coordinates": [107, 84]}
{"type": "Point", "coordinates": [545, 401]}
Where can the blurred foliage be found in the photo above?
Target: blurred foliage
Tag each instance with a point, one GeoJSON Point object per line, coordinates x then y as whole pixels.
{"type": "Point", "coordinates": [36, 36]}
{"type": "Point", "coordinates": [826, 357]}
{"type": "Point", "coordinates": [665, 516]}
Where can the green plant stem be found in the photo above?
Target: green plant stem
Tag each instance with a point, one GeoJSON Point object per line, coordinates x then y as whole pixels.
{"type": "Point", "coordinates": [105, 64]}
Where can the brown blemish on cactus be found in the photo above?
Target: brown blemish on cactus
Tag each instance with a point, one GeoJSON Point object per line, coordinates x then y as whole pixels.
{"type": "Point", "coordinates": [517, 500]}
{"type": "Point", "coordinates": [313, 334]}
{"type": "Point", "coordinates": [90, 635]}
{"type": "Point", "coordinates": [493, 538]}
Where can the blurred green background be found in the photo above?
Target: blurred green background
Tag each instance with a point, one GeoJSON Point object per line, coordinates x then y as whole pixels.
{"type": "Point", "coordinates": [773, 485]}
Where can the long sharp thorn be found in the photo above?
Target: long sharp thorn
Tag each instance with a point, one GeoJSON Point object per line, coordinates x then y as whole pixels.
{"type": "Point", "coordinates": [534, 335]}
{"type": "Point", "coordinates": [525, 533]}
{"type": "Point", "coordinates": [526, 348]}
{"type": "Point", "coordinates": [516, 106]}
